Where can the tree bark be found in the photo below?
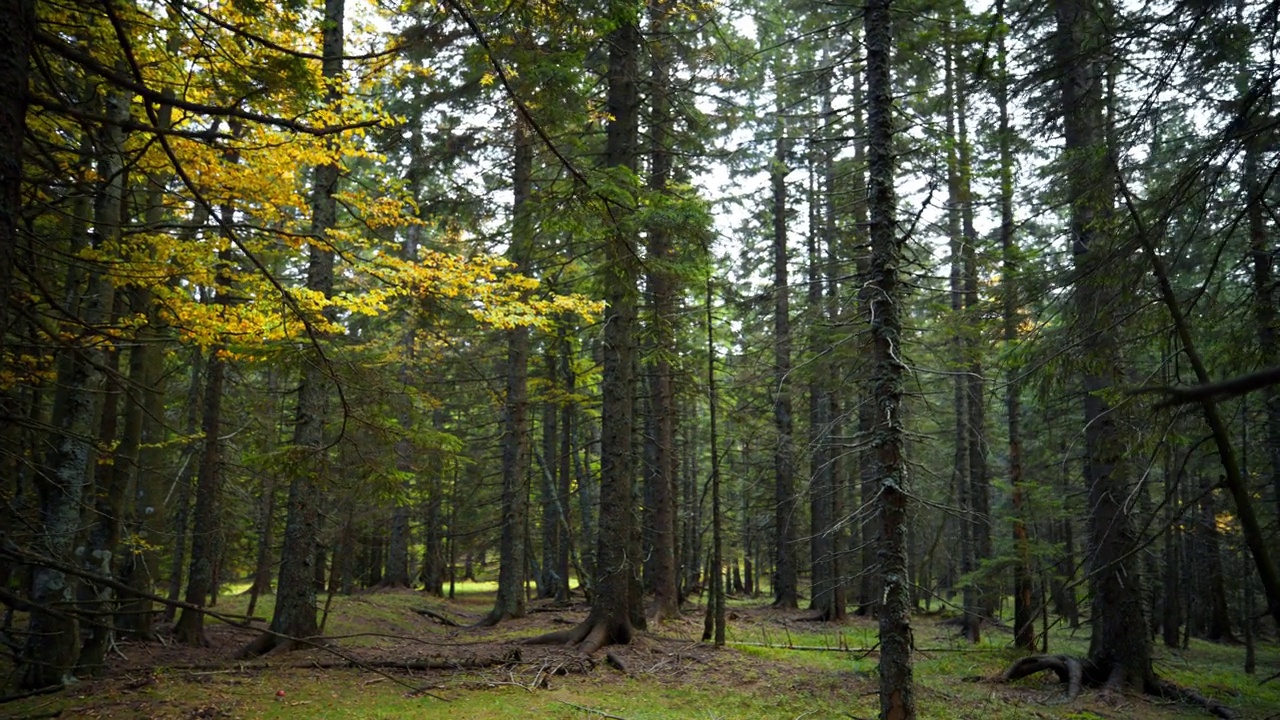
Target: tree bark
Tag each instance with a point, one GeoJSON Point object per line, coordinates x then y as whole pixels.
{"type": "Point", "coordinates": [979, 493]}
{"type": "Point", "coordinates": [550, 582]}
{"type": "Point", "coordinates": [510, 601]}
{"type": "Point", "coordinates": [662, 287]}
{"type": "Point", "coordinates": [1023, 611]}
{"type": "Point", "coordinates": [204, 533]}
{"type": "Point", "coordinates": [109, 472]}
{"type": "Point", "coordinates": [826, 592]}
{"type": "Point", "coordinates": [714, 629]}
{"type": "Point", "coordinates": [295, 611]}
{"type": "Point", "coordinates": [611, 617]}
{"type": "Point", "coordinates": [141, 567]}
{"type": "Point", "coordinates": [1119, 648]}
{"type": "Point", "coordinates": [961, 464]}
{"type": "Point", "coordinates": [182, 483]}
{"type": "Point", "coordinates": [785, 584]}
{"type": "Point", "coordinates": [897, 682]}
{"type": "Point", "coordinates": [17, 25]}
{"type": "Point", "coordinates": [50, 653]}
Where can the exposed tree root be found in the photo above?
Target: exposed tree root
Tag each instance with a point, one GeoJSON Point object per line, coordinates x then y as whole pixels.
{"type": "Point", "coordinates": [589, 635]}
{"type": "Point", "coordinates": [1075, 674]}
{"type": "Point", "coordinates": [437, 617]}
{"type": "Point", "coordinates": [1169, 691]}
{"type": "Point", "coordinates": [658, 614]}
{"type": "Point", "coordinates": [269, 643]}
{"type": "Point", "coordinates": [493, 619]}
{"type": "Point", "coordinates": [1068, 669]}
{"type": "Point", "coordinates": [827, 615]}
{"type": "Point", "coordinates": [615, 662]}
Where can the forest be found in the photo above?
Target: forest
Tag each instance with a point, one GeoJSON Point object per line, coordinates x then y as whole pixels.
{"type": "Point", "coordinates": [648, 359]}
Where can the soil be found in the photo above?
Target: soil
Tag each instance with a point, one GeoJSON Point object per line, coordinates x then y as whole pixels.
{"type": "Point", "coordinates": [391, 643]}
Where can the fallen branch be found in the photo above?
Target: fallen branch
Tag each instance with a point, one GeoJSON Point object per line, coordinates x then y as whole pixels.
{"type": "Point", "coordinates": [1169, 691]}
{"type": "Point", "coordinates": [510, 657]}
{"type": "Point", "coordinates": [592, 711]}
{"type": "Point", "coordinates": [49, 690]}
{"type": "Point", "coordinates": [441, 663]}
{"type": "Point", "coordinates": [864, 650]}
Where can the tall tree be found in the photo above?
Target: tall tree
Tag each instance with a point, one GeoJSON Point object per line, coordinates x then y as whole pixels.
{"type": "Point", "coordinates": [886, 296]}
{"type": "Point", "coordinates": [962, 467]}
{"type": "Point", "coordinates": [1023, 618]}
{"type": "Point", "coordinates": [785, 582]}
{"type": "Point", "coordinates": [661, 282]}
{"type": "Point", "coordinates": [510, 601]}
{"type": "Point", "coordinates": [294, 618]}
{"type": "Point", "coordinates": [64, 479]}
{"type": "Point", "coordinates": [18, 19]}
{"type": "Point", "coordinates": [1119, 646]}
{"type": "Point", "coordinates": [612, 615]}
{"type": "Point", "coordinates": [206, 530]}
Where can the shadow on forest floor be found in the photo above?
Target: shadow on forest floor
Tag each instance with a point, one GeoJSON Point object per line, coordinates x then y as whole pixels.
{"type": "Point", "coordinates": [385, 660]}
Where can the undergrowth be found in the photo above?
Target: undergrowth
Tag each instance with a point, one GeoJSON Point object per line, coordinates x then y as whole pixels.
{"type": "Point", "coordinates": [776, 666]}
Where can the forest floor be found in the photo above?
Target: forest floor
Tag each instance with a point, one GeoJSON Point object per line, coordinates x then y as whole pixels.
{"type": "Point", "coordinates": [776, 665]}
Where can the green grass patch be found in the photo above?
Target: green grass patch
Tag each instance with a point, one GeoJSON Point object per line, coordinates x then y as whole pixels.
{"type": "Point", "coordinates": [776, 666]}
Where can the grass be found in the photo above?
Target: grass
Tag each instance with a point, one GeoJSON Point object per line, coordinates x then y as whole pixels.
{"type": "Point", "coordinates": [762, 674]}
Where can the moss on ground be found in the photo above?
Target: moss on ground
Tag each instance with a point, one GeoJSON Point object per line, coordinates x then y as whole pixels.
{"type": "Point", "coordinates": [777, 666]}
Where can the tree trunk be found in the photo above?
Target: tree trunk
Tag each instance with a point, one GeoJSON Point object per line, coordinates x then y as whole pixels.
{"type": "Point", "coordinates": [510, 601]}
{"type": "Point", "coordinates": [108, 472]}
{"type": "Point", "coordinates": [588, 495]}
{"type": "Point", "coordinates": [1023, 609]}
{"type": "Point", "coordinates": [961, 465]}
{"type": "Point", "coordinates": [436, 559]}
{"type": "Point", "coordinates": [266, 538]}
{"type": "Point", "coordinates": [106, 490]}
{"type": "Point", "coordinates": [822, 480]}
{"type": "Point", "coordinates": [662, 287]}
{"type": "Point", "coordinates": [564, 472]}
{"type": "Point", "coordinates": [141, 567]}
{"type": "Point", "coordinates": [691, 505]}
{"type": "Point", "coordinates": [785, 585]}
{"type": "Point", "coordinates": [52, 644]}
{"type": "Point", "coordinates": [182, 483]}
{"type": "Point", "coordinates": [295, 611]}
{"type": "Point", "coordinates": [550, 581]}
{"type": "Point", "coordinates": [18, 20]}
{"type": "Point", "coordinates": [397, 575]}
{"type": "Point", "coordinates": [979, 515]}
{"type": "Point", "coordinates": [868, 530]}
{"type": "Point", "coordinates": [1119, 648]}
{"type": "Point", "coordinates": [611, 616]}
{"type": "Point", "coordinates": [897, 683]}
{"type": "Point", "coordinates": [204, 534]}
{"type": "Point", "coordinates": [715, 604]}
{"type": "Point", "coordinates": [1219, 627]}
